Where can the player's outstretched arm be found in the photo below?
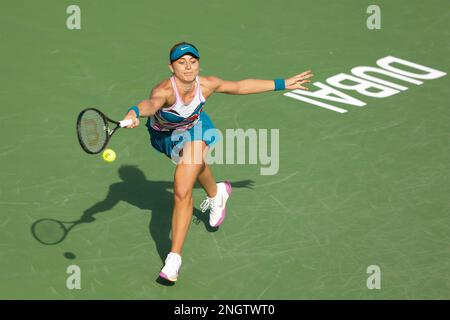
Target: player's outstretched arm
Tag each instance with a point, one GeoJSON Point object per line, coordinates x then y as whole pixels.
{"type": "Point", "coordinates": [146, 108]}
{"type": "Point", "coordinates": [250, 86]}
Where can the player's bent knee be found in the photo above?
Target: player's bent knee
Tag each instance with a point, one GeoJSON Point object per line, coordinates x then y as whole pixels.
{"type": "Point", "coordinates": [182, 194]}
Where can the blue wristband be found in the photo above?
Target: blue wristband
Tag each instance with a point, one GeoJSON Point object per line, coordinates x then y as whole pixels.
{"type": "Point", "coordinates": [279, 84]}
{"type": "Point", "coordinates": [135, 109]}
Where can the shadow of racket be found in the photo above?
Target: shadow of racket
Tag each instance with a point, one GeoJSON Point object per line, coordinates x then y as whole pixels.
{"type": "Point", "coordinates": [51, 231]}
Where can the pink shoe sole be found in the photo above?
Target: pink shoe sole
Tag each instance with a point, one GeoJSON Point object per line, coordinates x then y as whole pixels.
{"type": "Point", "coordinates": [163, 275]}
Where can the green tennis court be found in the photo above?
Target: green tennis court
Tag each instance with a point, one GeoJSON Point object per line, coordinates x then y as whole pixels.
{"type": "Point", "coordinates": [368, 187]}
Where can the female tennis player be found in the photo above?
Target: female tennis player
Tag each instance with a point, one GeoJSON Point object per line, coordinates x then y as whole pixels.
{"type": "Point", "coordinates": [176, 106]}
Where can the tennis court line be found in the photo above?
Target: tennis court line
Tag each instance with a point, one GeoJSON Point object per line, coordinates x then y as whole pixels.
{"type": "Point", "coordinates": [279, 181]}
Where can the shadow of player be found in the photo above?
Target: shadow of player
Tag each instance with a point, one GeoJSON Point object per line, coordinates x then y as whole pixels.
{"type": "Point", "coordinates": [155, 196]}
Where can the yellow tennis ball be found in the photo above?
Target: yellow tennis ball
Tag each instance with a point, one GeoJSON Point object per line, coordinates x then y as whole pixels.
{"type": "Point", "coordinates": [109, 155]}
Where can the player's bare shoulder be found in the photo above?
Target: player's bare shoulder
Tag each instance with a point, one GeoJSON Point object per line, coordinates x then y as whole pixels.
{"type": "Point", "coordinates": [209, 84]}
{"type": "Point", "coordinates": [162, 90]}
{"type": "Point", "coordinates": [209, 81]}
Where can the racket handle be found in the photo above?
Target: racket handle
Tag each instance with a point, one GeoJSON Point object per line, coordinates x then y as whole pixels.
{"type": "Point", "coordinates": [125, 123]}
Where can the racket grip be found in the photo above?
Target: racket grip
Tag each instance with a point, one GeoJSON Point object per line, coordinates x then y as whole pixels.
{"type": "Point", "coordinates": [125, 123]}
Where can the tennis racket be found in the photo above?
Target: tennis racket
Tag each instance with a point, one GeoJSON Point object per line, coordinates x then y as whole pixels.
{"type": "Point", "coordinates": [94, 129]}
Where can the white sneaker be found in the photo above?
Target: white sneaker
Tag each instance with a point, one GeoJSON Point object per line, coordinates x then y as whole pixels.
{"type": "Point", "coordinates": [171, 268]}
{"type": "Point", "coordinates": [217, 204]}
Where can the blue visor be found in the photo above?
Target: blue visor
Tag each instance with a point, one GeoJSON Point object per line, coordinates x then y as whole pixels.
{"type": "Point", "coordinates": [183, 49]}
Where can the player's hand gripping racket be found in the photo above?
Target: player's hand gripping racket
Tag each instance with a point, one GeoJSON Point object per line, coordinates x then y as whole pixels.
{"type": "Point", "coordinates": [94, 129]}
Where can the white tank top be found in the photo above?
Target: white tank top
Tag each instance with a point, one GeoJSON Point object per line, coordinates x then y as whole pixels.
{"type": "Point", "coordinates": [179, 116]}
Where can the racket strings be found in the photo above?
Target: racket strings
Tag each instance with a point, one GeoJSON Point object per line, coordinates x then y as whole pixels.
{"type": "Point", "coordinates": [93, 131]}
